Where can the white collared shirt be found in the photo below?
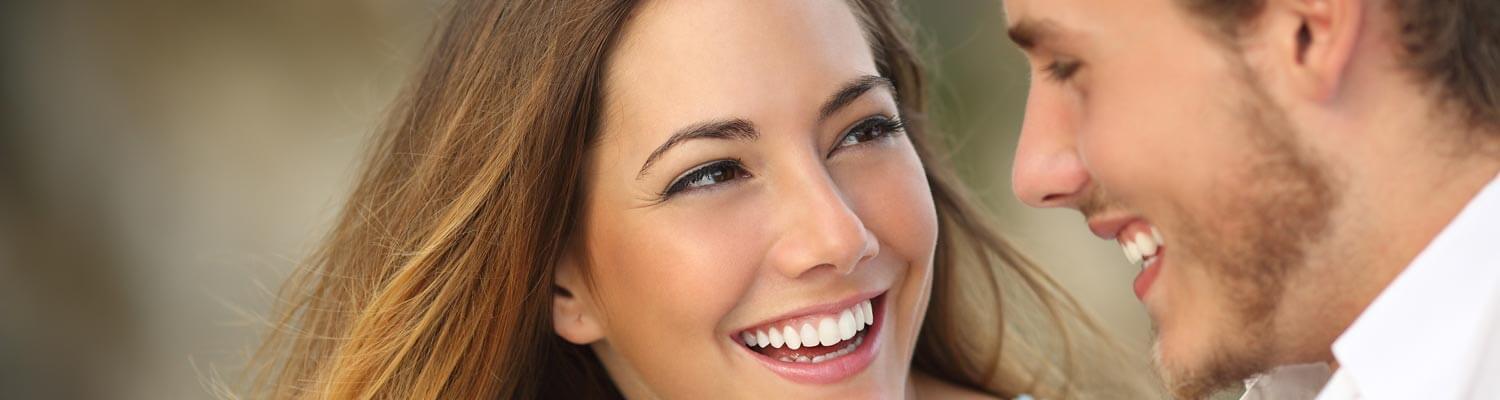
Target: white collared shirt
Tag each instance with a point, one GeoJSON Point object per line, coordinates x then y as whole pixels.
{"type": "Point", "coordinates": [1433, 333]}
{"type": "Point", "coordinates": [1289, 382]}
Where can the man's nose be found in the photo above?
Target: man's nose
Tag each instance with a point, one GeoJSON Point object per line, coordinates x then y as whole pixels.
{"type": "Point", "coordinates": [1048, 171]}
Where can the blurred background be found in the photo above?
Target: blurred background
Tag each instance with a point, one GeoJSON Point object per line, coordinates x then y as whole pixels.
{"type": "Point", "coordinates": [164, 164]}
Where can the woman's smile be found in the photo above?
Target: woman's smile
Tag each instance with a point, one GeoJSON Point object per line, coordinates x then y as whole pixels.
{"type": "Point", "coordinates": [818, 344]}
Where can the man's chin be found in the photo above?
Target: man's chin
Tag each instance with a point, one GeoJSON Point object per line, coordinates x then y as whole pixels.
{"type": "Point", "coordinates": [1200, 371]}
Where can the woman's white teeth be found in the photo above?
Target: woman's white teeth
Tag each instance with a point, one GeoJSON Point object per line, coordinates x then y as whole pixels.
{"type": "Point", "coordinates": [828, 332]}
{"type": "Point", "coordinates": [869, 312]}
{"type": "Point", "coordinates": [825, 331]}
{"type": "Point", "coordinates": [809, 335]}
{"type": "Point", "coordinates": [1142, 247]}
{"type": "Point", "coordinates": [846, 325]}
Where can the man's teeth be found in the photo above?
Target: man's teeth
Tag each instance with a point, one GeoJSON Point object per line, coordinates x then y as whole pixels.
{"type": "Point", "coordinates": [827, 331]}
{"type": "Point", "coordinates": [1142, 247]}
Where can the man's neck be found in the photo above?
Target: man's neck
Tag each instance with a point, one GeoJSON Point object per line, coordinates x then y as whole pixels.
{"type": "Point", "coordinates": [1400, 197]}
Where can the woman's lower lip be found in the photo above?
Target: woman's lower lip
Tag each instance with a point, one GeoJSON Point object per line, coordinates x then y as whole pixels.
{"type": "Point", "coordinates": [837, 369]}
{"type": "Point", "coordinates": [1147, 277]}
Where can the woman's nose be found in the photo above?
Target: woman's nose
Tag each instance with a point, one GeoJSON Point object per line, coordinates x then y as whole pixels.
{"type": "Point", "coordinates": [820, 230]}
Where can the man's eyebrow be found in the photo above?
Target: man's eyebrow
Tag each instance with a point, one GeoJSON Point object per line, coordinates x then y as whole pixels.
{"type": "Point", "coordinates": [850, 91]}
{"type": "Point", "coordinates": [1028, 33]}
{"type": "Point", "coordinates": [737, 129]}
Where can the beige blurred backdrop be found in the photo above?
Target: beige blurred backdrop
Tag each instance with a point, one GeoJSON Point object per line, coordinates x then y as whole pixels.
{"type": "Point", "coordinates": [164, 163]}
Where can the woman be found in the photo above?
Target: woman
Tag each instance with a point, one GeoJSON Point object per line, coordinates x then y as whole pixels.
{"type": "Point", "coordinates": [678, 199]}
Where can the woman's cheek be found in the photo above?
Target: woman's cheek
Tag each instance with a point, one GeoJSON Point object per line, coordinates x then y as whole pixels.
{"type": "Point", "coordinates": [704, 249]}
{"type": "Point", "coordinates": [671, 278]}
{"type": "Point", "coordinates": [891, 195]}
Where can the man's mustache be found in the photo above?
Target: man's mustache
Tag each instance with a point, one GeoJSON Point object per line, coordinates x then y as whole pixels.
{"type": "Point", "coordinates": [1097, 201]}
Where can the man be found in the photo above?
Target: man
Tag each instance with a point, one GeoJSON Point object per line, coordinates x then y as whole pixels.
{"type": "Point", "coordinates": [1302, 182]}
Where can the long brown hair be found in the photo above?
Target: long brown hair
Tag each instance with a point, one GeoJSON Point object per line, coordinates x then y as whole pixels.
{"type": "Point", "coordinates": [436, 281]}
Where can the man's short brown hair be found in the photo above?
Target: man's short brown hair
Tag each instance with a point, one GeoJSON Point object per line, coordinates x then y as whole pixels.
{"type": "Point", "coordinates": [1451, 45]}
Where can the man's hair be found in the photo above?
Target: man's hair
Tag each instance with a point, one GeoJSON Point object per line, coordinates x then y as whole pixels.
{"type": "Point", "coordinates": [1453, 46]}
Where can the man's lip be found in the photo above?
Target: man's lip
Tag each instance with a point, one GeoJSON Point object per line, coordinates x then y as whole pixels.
{"type": "Point", "coordinates": [1146, 279]}
{"type": "Point", "coordinates": [1108, 227]}
{"type": "Point", "coordinates": [825, 308]}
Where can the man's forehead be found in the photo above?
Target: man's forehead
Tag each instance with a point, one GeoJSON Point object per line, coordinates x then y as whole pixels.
{"type": "Point", "coordinates": [1032, 22]}
{"type": "Point", "coordinates": [1069, 9]}
{"type": "Point", "coordinates": [1014, 9]}
{"type": "Point", "coordinates": [1035, 23]}
{"type": "Point", "coordinates": [1028, 33]}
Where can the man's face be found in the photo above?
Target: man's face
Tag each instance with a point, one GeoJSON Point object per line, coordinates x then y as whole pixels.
{"type": "Point", "coordinates": [1163, 138]}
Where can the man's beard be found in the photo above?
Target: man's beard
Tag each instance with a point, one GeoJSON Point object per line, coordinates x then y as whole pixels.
{"type": "Point", "coordinates": [1254, 235]}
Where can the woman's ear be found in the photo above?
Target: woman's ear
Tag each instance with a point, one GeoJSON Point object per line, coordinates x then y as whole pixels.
{"type": "Point", "coordinates": [573, 315]}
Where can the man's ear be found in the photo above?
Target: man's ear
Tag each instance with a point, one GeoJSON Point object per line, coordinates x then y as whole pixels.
{"type": "Point", "coordinates": [1314, 41]}
{"type": "Point", "coordinates": [574, 317]}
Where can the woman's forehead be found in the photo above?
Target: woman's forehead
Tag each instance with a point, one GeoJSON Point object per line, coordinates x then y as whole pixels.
{"type": "Point", "coordinates": [680, 61]}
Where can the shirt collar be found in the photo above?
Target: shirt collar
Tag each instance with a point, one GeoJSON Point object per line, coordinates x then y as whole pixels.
{"type": "Point", "coordinates": [1300, 381]}
{"type": "Point", "coordinates": [1416, 339]}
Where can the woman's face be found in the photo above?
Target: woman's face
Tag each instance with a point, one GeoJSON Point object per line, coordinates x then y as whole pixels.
{"type": "Point", "coordinates": [751, 184]}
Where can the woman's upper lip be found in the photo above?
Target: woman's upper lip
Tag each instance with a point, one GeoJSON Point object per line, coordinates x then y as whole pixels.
{"type": "Point", "coordinates": [824, 308]}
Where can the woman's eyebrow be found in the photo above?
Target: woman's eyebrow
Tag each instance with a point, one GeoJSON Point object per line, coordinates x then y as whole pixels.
{"type": "Point", "coordinates": [737, 129]}
{"type": "Point", "coordinates": [741, 129]}
{"type": "Point", "coordinates": [850, 91]}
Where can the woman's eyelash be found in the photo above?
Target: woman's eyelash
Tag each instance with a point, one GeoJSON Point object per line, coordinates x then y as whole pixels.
{"type": "Point", "coordinates": [1062, 71]}
{"type": "Point", "coordinates": [869, 130]}
{"type": "Point", "coordinates": [719, 172]}
{"type": "Point", "coordinates": [713, 173]}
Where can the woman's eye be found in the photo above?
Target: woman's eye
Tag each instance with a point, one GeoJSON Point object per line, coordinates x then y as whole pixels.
{"type": "Point", "coordinates": [710, 174]}
{"type": "Point", "coordinates": [1062, 71]}
{"type": "Point", "coordinates": [871, 129]}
